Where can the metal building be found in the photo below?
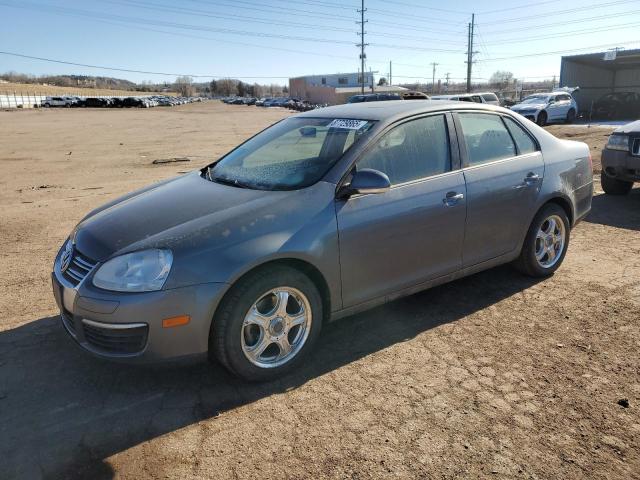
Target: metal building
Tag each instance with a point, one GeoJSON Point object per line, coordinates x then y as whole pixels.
{"type": "Point", "coordinates": [598, 74]}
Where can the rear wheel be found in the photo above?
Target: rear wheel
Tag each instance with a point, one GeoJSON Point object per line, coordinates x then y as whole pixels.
{"type": "Point", "coordinates": [613, 186]}
{"type": "Point", "coordinates": [542, 119]}
{"type": "Point", "coordinates": [571, 116]}
{"type": "Point", "coordinates": [546, 243]}
{"type": "Point", "coordinates": [266, 323]}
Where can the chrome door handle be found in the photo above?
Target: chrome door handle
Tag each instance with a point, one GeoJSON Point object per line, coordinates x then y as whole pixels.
{"type": "Point", "coordinates": [452, 198]}
{"type": "Point", "coordinates": [531, 179]}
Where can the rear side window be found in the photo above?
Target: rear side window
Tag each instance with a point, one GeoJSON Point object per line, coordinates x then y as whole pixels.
{"type": "Point", "coordinates": [411, 151]}
{"type": "Point", "coordinates": [486, 138]}
{"type": "Point", "coordinates": [524, 142]}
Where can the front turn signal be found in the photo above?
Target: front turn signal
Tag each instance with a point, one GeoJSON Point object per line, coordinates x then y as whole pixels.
{"type": "Point", "coordinates": [176, 321]}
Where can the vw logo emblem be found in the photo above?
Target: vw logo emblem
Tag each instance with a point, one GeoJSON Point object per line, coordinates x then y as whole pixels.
{"type": "Point", "coordinates": [65, 259]}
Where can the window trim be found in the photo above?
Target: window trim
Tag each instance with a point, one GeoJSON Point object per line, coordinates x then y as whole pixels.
{"type": "Point", "coordinates": [464, 155]}
{"type": "Point", "coordinates": [454, 155]}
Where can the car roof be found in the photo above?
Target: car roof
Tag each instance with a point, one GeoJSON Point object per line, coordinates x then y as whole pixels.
{"type": "Point", "coordinates": [391, 111]}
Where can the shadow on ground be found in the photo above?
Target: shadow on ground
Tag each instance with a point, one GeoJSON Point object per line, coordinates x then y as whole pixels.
{"type": "Point", "coordinates": [62, 412]}
{"type": "Point", "coordinates": [616, 211]}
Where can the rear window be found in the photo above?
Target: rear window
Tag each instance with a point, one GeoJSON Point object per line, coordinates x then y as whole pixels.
{"type": "Point", "coordinates": [486, 138]}
{"type": "Point", "coordinates": [524, 142]}
{"type": "Point", "coordinates": [489, 97]}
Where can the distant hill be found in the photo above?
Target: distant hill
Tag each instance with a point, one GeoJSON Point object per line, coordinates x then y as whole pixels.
{"type": "Point", "coordinates": [80, 81]}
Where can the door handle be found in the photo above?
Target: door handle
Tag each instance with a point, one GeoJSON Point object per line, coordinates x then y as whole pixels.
{"type": "Point", "coordinates": [531, 178]}
{"type": "Point", "coordinates": [529, 181]}
{"type": "Point", "coordinates": [452, 198]}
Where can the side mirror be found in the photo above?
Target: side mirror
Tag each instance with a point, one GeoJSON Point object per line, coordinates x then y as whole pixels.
{"type": "Point", "coordinates": [552, 101]}
{"type": "Point", "coordinates": [365, 181]}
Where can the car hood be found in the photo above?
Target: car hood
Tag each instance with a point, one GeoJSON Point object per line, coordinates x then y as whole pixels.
{"type": "Point", "coordinates": [170, 213]}
{"type": "Point", "coordinates": [528, 106]}
{"type": "Point", "coordinates": [633, 127]}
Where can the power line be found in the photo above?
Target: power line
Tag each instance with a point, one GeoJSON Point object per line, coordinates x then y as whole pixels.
{"type": "Point", "coordinates": [556, 12]}
{"type": "Point", "coordinates": [204, 13]}
{"type": "Point", "coordinates": [129, 70]}
{"type": "Point", "coordinates": [568, 33]}
{"type": "Point", "coordinates": [137, 20]}
{"type": "Point", "coordinates": [593, 47]}
{"type": "Point", "coordinates": [563, 23]}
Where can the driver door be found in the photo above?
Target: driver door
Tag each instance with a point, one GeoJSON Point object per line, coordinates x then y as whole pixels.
{"type": "Point", "coordinates": [414, 231]}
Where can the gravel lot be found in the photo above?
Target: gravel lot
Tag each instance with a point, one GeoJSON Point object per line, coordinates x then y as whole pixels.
{"type": "Point", "coordinates": [493, 376]}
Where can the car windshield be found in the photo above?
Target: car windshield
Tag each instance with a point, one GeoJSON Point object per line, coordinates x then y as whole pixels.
{"type": "Point", "coordinates": [536, 99]}
{"type": "Point", "coordinates": [292, 154]}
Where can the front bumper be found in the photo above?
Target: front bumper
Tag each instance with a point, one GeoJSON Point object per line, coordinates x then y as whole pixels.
{"type": "Point", "coordinates": [128, 326]}
{"type": "Point", "coordinates": [621, 165]}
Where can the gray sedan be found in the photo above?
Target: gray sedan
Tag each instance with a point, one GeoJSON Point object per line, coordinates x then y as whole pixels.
{"type": "Point", "coordinates": [319, 216]}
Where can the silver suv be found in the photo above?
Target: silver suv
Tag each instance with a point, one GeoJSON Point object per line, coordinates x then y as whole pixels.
{"type": "Point", "coordinates": [542, 108]}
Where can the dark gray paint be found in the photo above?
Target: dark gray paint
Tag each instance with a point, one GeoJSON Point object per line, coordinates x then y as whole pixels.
{"type": "Point", "coordinates": [368, 249]}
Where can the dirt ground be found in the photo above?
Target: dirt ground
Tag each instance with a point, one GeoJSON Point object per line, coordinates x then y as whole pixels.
{"type": "Point", "coordinates": [492, 376]}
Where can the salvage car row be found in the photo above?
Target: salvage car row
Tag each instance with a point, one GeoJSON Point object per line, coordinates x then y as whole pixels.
{"type": "Point", "coordinates": [284, 102]}
{"type": "Point", "coordinates": [118, 102]}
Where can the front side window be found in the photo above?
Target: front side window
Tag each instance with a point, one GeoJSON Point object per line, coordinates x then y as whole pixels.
{"type": "Point", "coordinates": [292, 154]}
{"type": "Point", "coordinates": [524, 142]}
{"type": "Point", "coordinates": [486, 138]}
{"type": "Point", "coordinates": [490, 97]}
{"type": "Point", "coordinates": [411, 151]}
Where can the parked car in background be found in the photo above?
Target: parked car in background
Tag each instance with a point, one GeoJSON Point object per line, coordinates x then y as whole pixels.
{"type": "Point", "coordinates": [621, 160]}
{"type": "Point", "coordinates": [260, 102]}
{"type": "Point", "coordinates": [57, 102]}
{"type": "Point", "coordinates": [481, 97]}
{"type": "Point", "coordinates": [374, 97]}
{"type": "Point", "coordinates": [618, 105]}
{"type": "Point", "coordinates": [548, 107]}
{"type": "Point", "coordinates": [322, 215]}
{"type": "Point", "coordinates": [412, 95]}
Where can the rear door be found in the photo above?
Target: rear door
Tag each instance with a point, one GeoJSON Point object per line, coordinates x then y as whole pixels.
{"type": "Point", "coordinates": [503, 169]}
{"type": "Point", "coordinates": [414, 231]}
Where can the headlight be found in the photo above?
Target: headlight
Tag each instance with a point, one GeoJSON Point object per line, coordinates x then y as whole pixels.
{"type": "Point", "coordinates": [618, 142]}
{"type": "Point", "coordinates": [143, 271]}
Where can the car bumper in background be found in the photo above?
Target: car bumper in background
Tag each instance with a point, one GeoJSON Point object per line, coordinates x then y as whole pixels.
{"type": "Point", "coordinates": [621, 165]}
{"type": "Point", "coordinates": [129, 326]}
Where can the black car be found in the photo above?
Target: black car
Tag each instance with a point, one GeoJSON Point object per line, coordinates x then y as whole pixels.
{"type": "Point", "coordinates": [618, 105]}
{"type": "Point", "coordinates": [374, 97]}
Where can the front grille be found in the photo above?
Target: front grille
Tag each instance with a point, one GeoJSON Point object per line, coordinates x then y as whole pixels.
{"type": "Point", "coordinates": [116, 339]}
{"type": "Point", "coordinates": [635, 150]}
{"type": "Point", "coordinates": [78, 269]}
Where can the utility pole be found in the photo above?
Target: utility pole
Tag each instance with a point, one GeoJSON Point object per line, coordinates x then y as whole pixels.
{"type": "Point", "coordinates": [433, 81]}
{"type": "Point", "coordinates": [362, 45]}
{"type": "Point", "coordinates": [390, 74]}
{"type": "Point", "coordinates": [470, 51]}
{"type": "Point", "coordinates": [446, 85]}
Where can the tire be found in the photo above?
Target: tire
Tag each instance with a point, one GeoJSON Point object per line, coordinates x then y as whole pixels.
{"type": "Point", "coordinates": [234, 342]}
{"type": "Point", "coordinates": [571, 116]}
{"type": "Point", "coordinates": [529, 262]}
{"type": "Point", "coordinates": [542, 119]}
{"type": "Point", "coordinates": [46, 105]}
{"type": "Point", "coordinates": [613, 186]}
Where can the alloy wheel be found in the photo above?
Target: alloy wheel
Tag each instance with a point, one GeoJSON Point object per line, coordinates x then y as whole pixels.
{"type": "Point", "coordinates": [550, 241]}
{"type": "Point", "coordinates": [276, 327]}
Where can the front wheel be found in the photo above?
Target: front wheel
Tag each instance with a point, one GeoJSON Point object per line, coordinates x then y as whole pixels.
{"type": "Point", "coordinates": [571, 116]}
{"type": "Point", "coordinates": [266, 323]}
{"type": "Point", "coordinates": [542, 119]}
{"type": "Point", "coordinates": [614, 186]}
{"type": "Point", "coordinates": [546, 242]}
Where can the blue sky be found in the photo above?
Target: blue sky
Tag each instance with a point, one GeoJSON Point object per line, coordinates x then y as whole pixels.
{"type": "Point", "coordinates": [268, 41]}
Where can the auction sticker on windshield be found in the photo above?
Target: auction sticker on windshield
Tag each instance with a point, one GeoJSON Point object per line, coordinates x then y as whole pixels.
{"type": "Point", "coordinates": [349, 124]}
